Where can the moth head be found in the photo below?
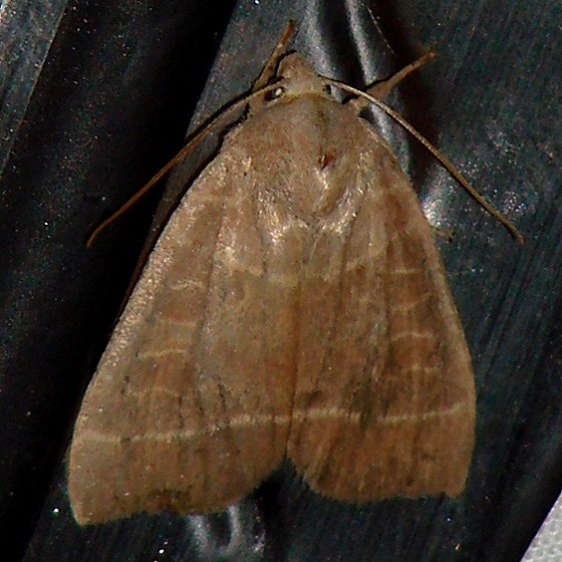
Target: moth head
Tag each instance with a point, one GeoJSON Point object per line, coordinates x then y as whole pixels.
{"type": "Point", "coordinates": [297, 77]}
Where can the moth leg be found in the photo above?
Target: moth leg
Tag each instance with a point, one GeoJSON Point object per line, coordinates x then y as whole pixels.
{"type": "Point", "coordinates": [447, 234]}
{"type": "Point", "coordinates": [380, 90]}
{"type": "Point", "coordinates": [268, 71]}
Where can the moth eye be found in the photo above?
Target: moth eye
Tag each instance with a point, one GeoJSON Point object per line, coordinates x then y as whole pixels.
{"type": "Point", "coordinates": [275, 94]}
{"type": "Point", "coordinates": [327, 89]}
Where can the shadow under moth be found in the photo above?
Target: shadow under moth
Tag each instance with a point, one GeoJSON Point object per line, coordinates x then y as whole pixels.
{"type": "Point", "coordinates": [294, 305]}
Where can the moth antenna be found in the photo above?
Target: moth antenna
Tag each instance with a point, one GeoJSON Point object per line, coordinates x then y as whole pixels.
{"type": "Point", "coordinates": [260, 87]}
{"type": "Point", "coordinates": [191, 144]}
{"type": "Point", "coordinates": [445, 162]}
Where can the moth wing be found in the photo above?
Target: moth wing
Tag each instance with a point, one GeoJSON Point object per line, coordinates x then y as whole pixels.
{"type": "Point", "coordinates": [196, 378]}
{"type": "Point", "coordinates": [384, 400]}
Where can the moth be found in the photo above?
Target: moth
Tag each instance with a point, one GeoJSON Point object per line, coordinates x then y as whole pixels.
{"type": "Point", "coordinates": [294, 305]}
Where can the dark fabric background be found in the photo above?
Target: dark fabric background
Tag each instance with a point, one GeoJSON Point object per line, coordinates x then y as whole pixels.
{"type": "Point", "coordinates": [97, 95]}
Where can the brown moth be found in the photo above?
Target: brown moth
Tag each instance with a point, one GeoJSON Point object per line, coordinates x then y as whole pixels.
{"type": "Point", "coordinates": [295, 304]}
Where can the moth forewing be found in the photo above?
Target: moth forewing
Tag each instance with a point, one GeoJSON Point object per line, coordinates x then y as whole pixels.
{"type": "Point", "coordinates": [294, 304]}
